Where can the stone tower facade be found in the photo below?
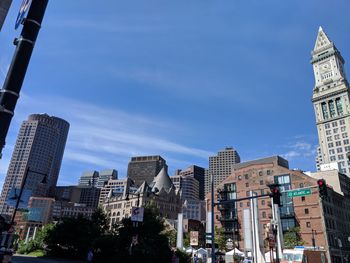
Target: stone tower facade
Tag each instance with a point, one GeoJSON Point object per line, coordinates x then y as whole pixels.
{"type": "Point", "coordinates": [331, 103]}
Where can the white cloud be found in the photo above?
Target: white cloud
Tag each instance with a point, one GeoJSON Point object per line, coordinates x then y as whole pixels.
{"type": "Point", "coordinates": [300, 149]}
{"type": "Point", "coordinates": [107, 138]}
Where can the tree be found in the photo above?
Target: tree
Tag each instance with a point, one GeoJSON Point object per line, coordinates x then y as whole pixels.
{"type": "Point", "coordinates": [292, 238]}
{"type": "Point", "coordinates": [150, 243]}
{"type": "Point", "coordinates": [220, 238]}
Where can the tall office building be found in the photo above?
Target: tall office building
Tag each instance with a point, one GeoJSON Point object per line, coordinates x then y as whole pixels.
{"type": "Point", "coordinates": [39, 146]}
{"type": "Point", "coordinates": [145, 168]}
{"type": "Point", "coordinates": [4, 8]}
{"type": "Point", "coordinates": [220, 167]}
{"type": "Point", "coordinates": [89, 179]}
{"type": "Point", "coordinates": [198, 173]}
{"type": "Point", "coordinates": [331, 103]}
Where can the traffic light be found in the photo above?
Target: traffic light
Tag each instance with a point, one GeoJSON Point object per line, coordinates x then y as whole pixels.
{"type": "Point", "coordinates": [4, 226]}
{"type": "Point", "coordinates": [322, 187]}
{"type": "Point", "coordinates": [276, 196]}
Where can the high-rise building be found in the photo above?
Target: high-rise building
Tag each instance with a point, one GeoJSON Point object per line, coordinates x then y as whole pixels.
{"type": "Point", "coordinates": [188, 185]}
{"type": "Point", "coordinates": [4, 8]}
{"type": "Point", "coordinates": [106, 175]}
{"type": "Point", "coordinates": [145, 168]}
{"type": "Point", "coordinates": [89, 178]}
{"type": "Point", "coordinates": [220, 166]}
{"type": "Point", "coordinates": [331, 103]}
{"type": "Point", "coordinates": [39, 146]}
{"type": "Point", "coordinates": [196, 172]}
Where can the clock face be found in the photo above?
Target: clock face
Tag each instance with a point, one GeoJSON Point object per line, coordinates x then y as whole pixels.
{"type": "Point", "coordinates": [325, 67]}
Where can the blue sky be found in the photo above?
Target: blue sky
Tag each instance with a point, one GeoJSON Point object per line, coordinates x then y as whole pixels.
{"type": "Point", "coordinates": [182, 79]}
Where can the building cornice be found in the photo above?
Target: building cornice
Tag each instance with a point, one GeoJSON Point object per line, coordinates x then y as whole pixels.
{"type": "Point", "coordinates": [331, 94]}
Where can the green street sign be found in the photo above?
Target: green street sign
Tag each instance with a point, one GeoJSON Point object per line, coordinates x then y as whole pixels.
{"type": "Point", "coordinates": [299, 192]}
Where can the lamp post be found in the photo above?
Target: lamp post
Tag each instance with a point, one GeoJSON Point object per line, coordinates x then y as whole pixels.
{"type": "Point", "coordinates": [313, 238]}
{"type": "Point", "coordinates": [44, 181]}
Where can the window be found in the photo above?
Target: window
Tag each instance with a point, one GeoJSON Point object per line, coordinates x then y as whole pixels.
{"type": "Point", "coordinates": [248, 204]}
{"type": "Point", "coordinates": [330, 145]}
{"type": "Point", "coordinates": [341, 157]}
{"type": "Point", "coordinates": [247, 193]}
{"type": "Point", "coordinates": [342, 122]}
{"type": "Point", "coordinates": [336, 137]}
{"type": "Point", "coordinates": [324, 110]}
{"type": "Point", "coordinates": [329, 138]}
{"type": "Point", "coordinates": [261, 182]}
{"type": "Point", "coordinates": [344, 135]}
{"type": "Point", "coordinates": [303, 199]}
{"type": "Point", "coordinates": [335, 130]}
{"type": "Point", "coordinates": [328, 132]}
{"type": "Point", "coordinates": [240, 204]}
{"type": "Point", "coordinates": [343, 129]}
{"type": "Point", "coordinates": [262, 202]}
{"type": "Point", "coordinates": [301, 185]}
{"type": "Point", "coordinates": [331, 108]}
{"type": "Point", "coordinates": [337, 143]}
{"type": "Point", "coordinates": [339, 150]}
{"type": "Point", "coordinates": [308, 224]}
{"type": "Point", "coordinates": [332, 158]}
{"type": "Point", "coordinates": [331, 151]}
{"type": "Point", "coordinates": [246, 184]}
{"type": "Point", "coordinates": [306, 210]}
{"type": "Point", "coordinates": [339, 106]}
{"type": "Point", "coordinates": [246, 176]}
{"type": "Point", "coordinates": [334, 124]}
{"type": "Point", "coordinates": [346, 141]}
{"type": "Point", "coordinates": [260, 173]}
{"type": "Point", "coordinates": [327, 126]}
{"type": "Point", "coordinates": [268, 172]}
{"type": "Point", "coordinates": [347, 148]}
{"type": "Point", "coordinates": [263, 214]}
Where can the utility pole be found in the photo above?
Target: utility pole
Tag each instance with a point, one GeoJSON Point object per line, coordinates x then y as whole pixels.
{"type": "Point", "coordinates": [10, 91]}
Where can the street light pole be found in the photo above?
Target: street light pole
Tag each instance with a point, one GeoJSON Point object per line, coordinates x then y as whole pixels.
{"type": "Point", "coordinates": [212, 220]}
{"type": "Point", "coordinates": [21, 191]}
{"type": "Point", "coordinates": [9, 93]}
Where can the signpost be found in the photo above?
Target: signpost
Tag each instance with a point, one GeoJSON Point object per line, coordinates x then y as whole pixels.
{"type": "Point", "coordinates": [22, 12]}
{"type": "Point", "coordinates": [299, 192]}
{"type": "Point", "coordinates": [137, 214]}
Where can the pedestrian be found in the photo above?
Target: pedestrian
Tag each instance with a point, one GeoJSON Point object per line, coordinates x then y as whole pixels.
{"type": "Point", "coordinates": [90, 256]}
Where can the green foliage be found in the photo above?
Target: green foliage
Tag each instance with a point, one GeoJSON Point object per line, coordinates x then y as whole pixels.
{"type": "Point", "coordinates": [182, 256]}
{"type": "Point", "coordinates": [292, 238]}
{"type": "Point", "coordinates": [220, 238]}
{"type": "Point", "coordinates": [73, 237]}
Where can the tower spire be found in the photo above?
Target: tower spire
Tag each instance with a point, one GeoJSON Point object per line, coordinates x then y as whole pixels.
{"type": "Point", "coordinates": [322, 40]}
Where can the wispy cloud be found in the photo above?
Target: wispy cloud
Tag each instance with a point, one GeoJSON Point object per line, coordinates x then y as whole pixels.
{"type": "Point", "coordinates": [107, 138]}
{"type": "Point", "coordinates": [300, 149]}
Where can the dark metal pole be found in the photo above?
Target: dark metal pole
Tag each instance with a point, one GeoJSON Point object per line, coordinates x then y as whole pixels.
{"type": "Point", "coordinates": [212, 220]}
{"type": "Point", "coordinates": [9, 93]}
{"type": "Point", "coordinates": [19, 196]}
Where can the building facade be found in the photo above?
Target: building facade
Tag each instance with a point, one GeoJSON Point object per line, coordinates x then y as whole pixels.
{"type": "Point", "coordinates": [160, 193]}
{"type": "Point", "coordinates": [331, 103]}
{"type": "Point", "coordinates": [145, 168]}
{"type": "Point", "coordinates": [198, 173]}
{"type": "Point", "coordinates": [325, 220]}
{"type": "Point", "coordinates": [220, 167]}
{"type": "Point", "coordinates": [39, 146]}
{"type": "Point", "coordinates": [4, 8]}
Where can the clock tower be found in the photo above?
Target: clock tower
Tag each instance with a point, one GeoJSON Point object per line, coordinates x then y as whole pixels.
{"type": "Point", "coordinates": [331, 104]}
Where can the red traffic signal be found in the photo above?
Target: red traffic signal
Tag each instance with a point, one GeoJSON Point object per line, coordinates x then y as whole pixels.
{"type": "Point", "coordinates": [322, 187]}
{"type": "Point", "coordinates": [276, 195]}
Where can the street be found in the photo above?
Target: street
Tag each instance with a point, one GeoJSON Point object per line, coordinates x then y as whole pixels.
{"type": "Point", "coordinates": [28, 259]}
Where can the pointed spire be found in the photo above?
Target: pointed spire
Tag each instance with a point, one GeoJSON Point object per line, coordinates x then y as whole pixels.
{"type": "Point", "coordinates": [322, 40]}
{"type": "Point", "coordinates": [162, 180]}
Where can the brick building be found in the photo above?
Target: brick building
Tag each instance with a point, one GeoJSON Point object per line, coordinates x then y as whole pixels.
{"type": "Point", "coordinates": [305, 212]}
